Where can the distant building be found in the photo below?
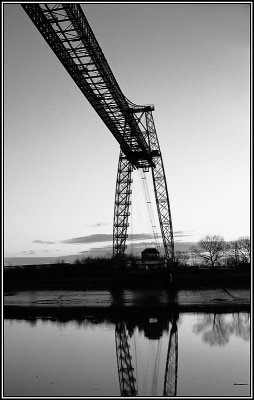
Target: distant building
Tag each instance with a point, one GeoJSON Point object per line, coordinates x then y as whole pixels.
{"type": "Point", "coordinates": [151, 253]}
{"type": "Point", "coordinates": [150, 259]}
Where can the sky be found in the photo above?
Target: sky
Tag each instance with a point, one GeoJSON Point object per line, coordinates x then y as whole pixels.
{"type": "Point", "coordinates": [192, 61]}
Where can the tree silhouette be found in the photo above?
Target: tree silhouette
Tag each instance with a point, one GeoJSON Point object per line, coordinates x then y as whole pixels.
{"type": "Point", "coordinates": [210, 248]}
{"type": "Point", "coordinates": [181, 258]}
{"type": "Point", "coordinates": [216, 329]}
{"type": "Point", "coordinates": [238, 251]}
{"type": "Point", "coordinates": [244, 244]}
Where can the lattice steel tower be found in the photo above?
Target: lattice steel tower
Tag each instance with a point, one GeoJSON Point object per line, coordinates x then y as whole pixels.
{"type": "Point", "coordinates": [68, 33]}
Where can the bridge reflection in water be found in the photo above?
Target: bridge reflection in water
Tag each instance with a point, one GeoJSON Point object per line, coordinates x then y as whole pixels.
{"type": "Point", "coordinates": [213, 328]}
{"type": "Point", "coordinates": [153, 330]}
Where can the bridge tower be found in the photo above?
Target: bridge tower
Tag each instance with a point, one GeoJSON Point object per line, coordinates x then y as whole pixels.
{"type": "Point", "coordinates": [68, 33]}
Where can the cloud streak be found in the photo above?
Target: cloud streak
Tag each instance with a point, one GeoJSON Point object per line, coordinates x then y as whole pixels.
{"type": "Point", "coordinates": [96, 238]}
{"type": "Point", "coordinates": [181, 234]}
{"type": "Point", "coordinates": [43, 241]}
{"type": "Point", "coordinates": [106, 237]}
{"type": "Point", "coordinates": [98, 224]}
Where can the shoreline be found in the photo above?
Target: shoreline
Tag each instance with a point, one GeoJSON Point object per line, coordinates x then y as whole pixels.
{"type": "Point", "coordinates": [49, 278]}
{"type": "Point", "coordinates": [127, 301]}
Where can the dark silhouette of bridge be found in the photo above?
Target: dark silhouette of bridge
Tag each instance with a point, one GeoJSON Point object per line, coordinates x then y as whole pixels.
{"type": "Point", "coordinates": [68, 33]}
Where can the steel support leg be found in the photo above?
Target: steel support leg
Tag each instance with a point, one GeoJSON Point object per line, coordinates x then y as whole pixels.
{"type": "Point", "coordinates": [160, 189]}
{"type": "Point", "coordinates": [122, 204]}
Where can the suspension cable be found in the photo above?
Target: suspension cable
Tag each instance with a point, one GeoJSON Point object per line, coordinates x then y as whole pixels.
{"type": "Point", "coordinates": [149, 207]}
{"type": "Point", "coordinates": [156, 368]}
{"type": "Point", "coordinates": [135, 347]}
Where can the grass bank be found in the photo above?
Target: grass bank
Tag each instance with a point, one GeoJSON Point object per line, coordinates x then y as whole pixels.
{"type": "Point", "coordinates": [104, 276]}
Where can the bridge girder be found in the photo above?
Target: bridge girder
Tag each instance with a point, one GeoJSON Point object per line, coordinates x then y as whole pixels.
{"type": "Point", "coordinates": [68, 33]}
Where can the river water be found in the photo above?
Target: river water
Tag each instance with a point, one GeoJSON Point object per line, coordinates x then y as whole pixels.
{"type": "Point", "coordinates": [54, 353]}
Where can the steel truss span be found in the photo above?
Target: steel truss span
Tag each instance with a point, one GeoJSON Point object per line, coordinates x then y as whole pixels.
{"type": "Point", "coordinates": [68, 33]}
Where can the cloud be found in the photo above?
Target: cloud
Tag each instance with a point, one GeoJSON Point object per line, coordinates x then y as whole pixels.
{"type": "Point", "coordinates": [105, 237]}
{"type": "Point", "coordinates": [177, 235]}
{"type": "Point", "coordinates": [98, 224]}
{"type": "Point", "coordinates": [181, 234]}
{"type": "Point", "coordinates": [140, 236]}
{"type": "Point", "coordinates": [43, 241]}
{"type": "Point", "coordinates": [96, 238]}
{"type": "Point", "coordinates": [50, 250]}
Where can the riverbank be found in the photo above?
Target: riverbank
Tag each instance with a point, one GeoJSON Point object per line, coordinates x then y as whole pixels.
{"type": "Point", "coordinates": [124, 301]}
{"type": "Point", "coordinates": [69, 278]}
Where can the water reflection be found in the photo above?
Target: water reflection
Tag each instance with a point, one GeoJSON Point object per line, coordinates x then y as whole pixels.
{"type": "Point", "coordinates": [132, 329]}
{"type": "Point", "coordinates": [216, 329]}
{"type": "Point", "coordinates": [127, 380]}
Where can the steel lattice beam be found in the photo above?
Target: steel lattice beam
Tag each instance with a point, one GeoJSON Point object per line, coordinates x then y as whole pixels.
{"type": "Point", "coordinates": [67, 31]}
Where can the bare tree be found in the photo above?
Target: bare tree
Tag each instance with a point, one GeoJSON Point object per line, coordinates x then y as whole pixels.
{"type": "Point", "coordinates": [181, 257]}
{"type": "Point", "coordinates": [244, 245]}
{"type": "Point", "coordinates": [238, 251]}
{"type": "Point", "coordinates": [233, 253]}
{"type": "Point", "coordinates": [211, 248]}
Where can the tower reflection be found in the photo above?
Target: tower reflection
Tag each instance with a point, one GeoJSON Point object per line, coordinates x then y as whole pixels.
{"type": "Point", "coordinates": [150, 323]}
{"type": "Point", "coordinates": [153, 329]}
